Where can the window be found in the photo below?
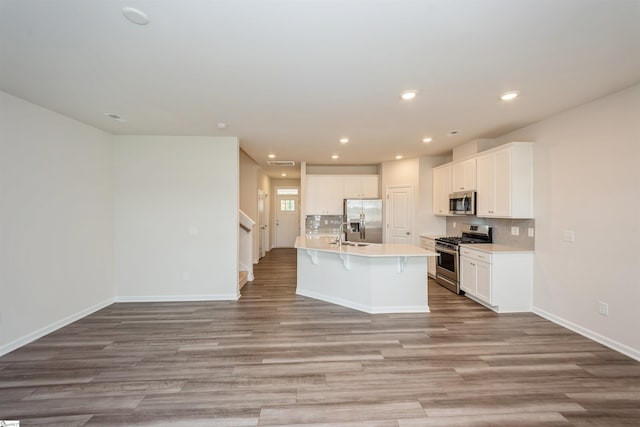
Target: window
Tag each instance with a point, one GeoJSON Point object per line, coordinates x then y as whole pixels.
{"type": "Point", "coordinates": [287, 205]}
{"type": "Point", "coordinates": [287, 192]}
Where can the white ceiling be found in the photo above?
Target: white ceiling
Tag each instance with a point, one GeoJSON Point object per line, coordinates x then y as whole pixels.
{"type": "Point", "coordinates": [291, 77]}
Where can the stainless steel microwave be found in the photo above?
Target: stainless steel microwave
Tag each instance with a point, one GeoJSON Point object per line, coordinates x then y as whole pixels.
{"type": "Point", "coordinates": [462, 203]}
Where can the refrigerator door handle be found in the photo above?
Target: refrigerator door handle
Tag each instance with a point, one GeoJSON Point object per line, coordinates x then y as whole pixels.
{"type": "Point", "coordinates": [363, 227]}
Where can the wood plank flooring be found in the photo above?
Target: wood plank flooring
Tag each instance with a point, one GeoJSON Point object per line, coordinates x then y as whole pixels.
{"type": "Point", "coordinates": [277, 359]}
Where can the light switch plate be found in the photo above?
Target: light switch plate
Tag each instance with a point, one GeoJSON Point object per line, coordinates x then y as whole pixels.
{"type": "Point", "coordinates": [568, 236]}
{"type": "Point", "coordinates": [193, 230]}
{"type": "Point", "coordinates": [454, 224]}
{"type": "Point", "coordinates": [530, 232]}
{"type": "Point", "coordinates": [515, 231]}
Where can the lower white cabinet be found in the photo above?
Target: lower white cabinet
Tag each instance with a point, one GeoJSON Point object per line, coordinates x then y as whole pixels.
{"type": "Point", "coordinates": [429, 243]}
{"type": "Point", "coordinates": [502, 281]}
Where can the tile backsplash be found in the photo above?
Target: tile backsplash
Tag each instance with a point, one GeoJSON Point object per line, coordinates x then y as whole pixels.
{"type": "Point", "coordinates": [323, 224]}
{"type": "Point", "coordinates": [501, 229]}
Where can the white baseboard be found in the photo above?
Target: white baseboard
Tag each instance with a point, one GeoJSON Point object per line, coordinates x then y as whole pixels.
{"type": "Point", "coordinates": [178, 298]}
{"type": "Point", "coordinates": [362, 307]}
{"type": "Point", "coordinates": [26, 339]}
{"type": "Point", "coordinates": [619, 347]}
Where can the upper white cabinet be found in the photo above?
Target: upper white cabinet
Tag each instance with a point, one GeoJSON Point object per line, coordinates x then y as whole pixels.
{"type": "Point", "coordinates": [361, 186]}
{"type": "Point", "coordinates": [441, 189]}
{"type": "Point", "coordinates": [464, 176]}
{"type": "Point", "coordinates": [505, 181]}
{"type": "Point", "coordinates": [325, 193]}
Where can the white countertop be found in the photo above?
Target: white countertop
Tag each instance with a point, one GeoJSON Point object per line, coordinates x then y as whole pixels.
{"type": "Point", "coordinates": [493, 248]}
{"type": "Point", "coordinates": [322, 243]}
{"type": "Point", "coordinates": [432, 236]}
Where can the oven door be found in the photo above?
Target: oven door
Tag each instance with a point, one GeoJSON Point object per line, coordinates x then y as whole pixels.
{"type": "Point", "coordinates": [447, 263]}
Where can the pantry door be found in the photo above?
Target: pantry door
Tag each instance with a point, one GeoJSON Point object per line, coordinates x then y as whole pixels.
{"type": "Point", "coordinates": [399, 214]}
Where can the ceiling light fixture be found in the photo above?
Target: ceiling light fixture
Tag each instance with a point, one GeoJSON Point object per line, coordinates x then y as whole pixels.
{"type": "Point", "coordinates": [426, 140]}
{"type": "Point", "coordinates": [334, 156]}
{"type": "Point", "coordinates": [134, 15]}
{"type": "Point", "coordinates": [508, 96]}
{"type": "Point", "coordinates": [222, 125]}
{"type": "Point", "coordinates": [271, 156]}
{"type": "Point", "coordinates": [398, 157]}
{"type": "Point", "coordinates": [344, 140]}
{"type": "Point", "coordinates": [408, 94]}
{"type": "Point", "coordinates": [453, 132]}
{"type": "Point", "coordinates": [283, 174]}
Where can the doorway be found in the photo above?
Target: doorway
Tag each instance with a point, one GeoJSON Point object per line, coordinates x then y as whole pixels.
{"type": "Point", "coordinates": [399, 214]}
{"type": "Point", "coordinates": [263, 221]}
{"type": "Point", "coordinates": [287, 216]}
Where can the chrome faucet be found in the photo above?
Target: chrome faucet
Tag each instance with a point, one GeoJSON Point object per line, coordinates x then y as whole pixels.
{"type": "Point", "coordinates": [341, 233]}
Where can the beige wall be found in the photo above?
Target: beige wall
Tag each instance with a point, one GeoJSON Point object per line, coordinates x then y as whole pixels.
{"type": "Point", "coordinates": [587, 179]}
{"type": "Point", "coordinates": [249, 174]}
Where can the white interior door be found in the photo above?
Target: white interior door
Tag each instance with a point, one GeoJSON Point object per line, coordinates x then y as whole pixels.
{"type": "Point", "coordinates": [287, 218]}
{"type": "Point", "coordinates": [262, 227]}
{"type": "Point", "coordinates": [399, 214]}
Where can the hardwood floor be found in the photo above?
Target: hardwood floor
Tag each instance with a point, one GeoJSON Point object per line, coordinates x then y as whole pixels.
{"type": "Point", "coordinates": [274, 358]}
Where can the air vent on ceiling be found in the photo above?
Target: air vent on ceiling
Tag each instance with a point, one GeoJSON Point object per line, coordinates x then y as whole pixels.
{"type": "Point", "coordinates": [281, 163]}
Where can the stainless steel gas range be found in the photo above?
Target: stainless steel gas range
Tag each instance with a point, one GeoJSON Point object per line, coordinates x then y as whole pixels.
{"type": "Point", "coordinates": [448, 268]}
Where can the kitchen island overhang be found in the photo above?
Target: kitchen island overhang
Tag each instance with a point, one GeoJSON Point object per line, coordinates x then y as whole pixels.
{"type": "Point", "coordinates": [376, 278]}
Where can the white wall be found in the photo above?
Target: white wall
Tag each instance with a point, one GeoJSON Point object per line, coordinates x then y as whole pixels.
{"type": "Point", "coordinates": [402, 173]}
{"type": "Point", "coordinates": [163, 186]}
{"type": "Point", "coordinates": [587, 179]}
{"type": "Point", "coordinates": [427, 222]}
{"type": "Point", "coordinates": [56, 224]}
{"type": "Point", "coordinates": [417, 172]}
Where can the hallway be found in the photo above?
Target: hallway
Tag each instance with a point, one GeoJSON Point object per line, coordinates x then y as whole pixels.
{"type": "Point", "coordinates": [274, 358]}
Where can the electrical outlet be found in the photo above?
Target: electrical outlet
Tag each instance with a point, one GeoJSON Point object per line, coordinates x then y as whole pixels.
{"type": "Point", "coordinates": [568, 236]}
{"type": "Point", "coordinates": [515, 231]}
{"type": "Point", "coordinates": [603, 308]}
{"type": "Point", "coordinates": [530, 232]}
{"type": "Point", "coordinates": [185, 276]}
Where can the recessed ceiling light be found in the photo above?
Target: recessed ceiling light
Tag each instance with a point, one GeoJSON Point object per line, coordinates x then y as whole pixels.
{"type": "Point", "coordinates": [283, 174]}
{"type": "Point", "coordinates": [508, 96]}
{"type": "Point", "coordinates": [408, 94]}
{"type": "Point", "coordinates": [344, 140]}
{"type": "Point", "coordinates": [426, 140]}
{"type": "Point", "coordinates": [272, 156]}
{"type": "Point", "coordinates": [398, 157]}
{"type": "Point", "coordinates": [334, 156]}
{"type": "Point", "coordinates": [134, 15]}
{"type": "Point", "coordinates": [222, 125]}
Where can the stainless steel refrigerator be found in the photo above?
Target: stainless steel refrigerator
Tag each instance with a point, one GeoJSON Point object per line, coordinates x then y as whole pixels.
{"type": "Point", "coordinates": [364, 220]}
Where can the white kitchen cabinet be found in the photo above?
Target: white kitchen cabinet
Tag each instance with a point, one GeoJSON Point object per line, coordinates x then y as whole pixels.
{"type": "Point", "coordinates": [429, 243]}
{"type": "Point", "coordinates": [370, 186]}
{"type": "Point", "coordinates": [361, 187]}
{"type": "Point", "coordinates": [324, 195]}
{"type": "Point", "coordinates": [464, 176]}
{"type": "Point", "coordinates": [505, 182]}
{"type": "Point", "coordinates": [500, 281]}
{"type": "Point", "coordinates": [441, 189]}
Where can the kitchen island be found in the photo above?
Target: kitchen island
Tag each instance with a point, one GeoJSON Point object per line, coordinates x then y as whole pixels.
{"type": "Point", "coordinates": [374, 278]}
